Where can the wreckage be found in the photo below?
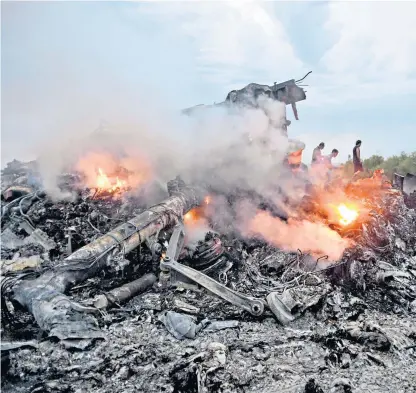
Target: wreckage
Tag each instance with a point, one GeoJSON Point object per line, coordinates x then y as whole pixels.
{"type": "Point", "coordinates": [289, 93]}
{"type": "Point", "coordinates": [105, 293]}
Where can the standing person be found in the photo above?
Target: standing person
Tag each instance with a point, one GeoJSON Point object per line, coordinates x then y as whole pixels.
{"type": "Point", "coordinates": [356, 157]}
{"type": "Point", "coordinates": [327, 164]}
{"type": "Point", "coordinates": [328, 159]}
{"type": "Point", "coordinates": [317, 153]}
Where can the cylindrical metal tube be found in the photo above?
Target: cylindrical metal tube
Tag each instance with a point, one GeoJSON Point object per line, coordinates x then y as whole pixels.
{"type": "Point", "coordinates": [133, 232]}
{"type": "Point", "coordinates": [125, 292]}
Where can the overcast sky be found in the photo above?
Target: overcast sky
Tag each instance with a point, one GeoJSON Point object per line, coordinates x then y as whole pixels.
{"type": "Point", "coordinates": [65, 61]}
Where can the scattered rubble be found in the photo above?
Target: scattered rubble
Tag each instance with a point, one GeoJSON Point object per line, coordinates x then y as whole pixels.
{"type": "Point", "coordinates": [100, 295]}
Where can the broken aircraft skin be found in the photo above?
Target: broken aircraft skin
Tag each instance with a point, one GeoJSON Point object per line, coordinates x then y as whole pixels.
{"type": "Point", "coordinates": [343, 327]}
{"type": "Point", "coordinates": [407, 184]}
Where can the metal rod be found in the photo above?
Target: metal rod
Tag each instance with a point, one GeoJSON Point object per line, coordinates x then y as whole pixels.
{"type": "Point", "coordinates": [125, 292]}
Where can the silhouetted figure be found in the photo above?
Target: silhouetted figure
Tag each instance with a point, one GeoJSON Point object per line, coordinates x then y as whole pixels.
{"type": "Point", "coordinates": [356, 157]}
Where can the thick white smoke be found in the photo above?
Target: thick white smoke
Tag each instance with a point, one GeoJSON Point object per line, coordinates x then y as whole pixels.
{"type": "Point", "coordinates": [168, 144]}
{"type": "Point", "coordinates": [310, 237]}
{"type": "Point", "coordinates": [234, 151]}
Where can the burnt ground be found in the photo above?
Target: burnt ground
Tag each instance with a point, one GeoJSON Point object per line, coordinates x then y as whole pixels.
{"type": "Point", "coordinates": [354, 327]}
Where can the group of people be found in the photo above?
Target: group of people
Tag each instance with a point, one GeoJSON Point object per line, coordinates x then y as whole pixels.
{"type": "Point", "coordinates": [318, 158]}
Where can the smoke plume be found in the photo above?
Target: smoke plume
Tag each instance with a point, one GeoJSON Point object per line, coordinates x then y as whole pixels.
{"type": "Point", "coordinates": [311, 237]}
{"type": "Point", "coordinates": [236, 153]}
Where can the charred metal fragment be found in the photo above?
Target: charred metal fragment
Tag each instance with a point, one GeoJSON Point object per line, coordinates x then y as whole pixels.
{"type": "Point", "coordinates": [169, 267]}
{"type": "Point", "coordinates": [14, 192]}
{"type": "Point", "coordinates": [280, 309]}
{"type": "Point", "coordinates": [207, 252]}
{"type": "Point", "coordinates": [125, 292]}
{"type": "Point", "coordinates": [407, 183]}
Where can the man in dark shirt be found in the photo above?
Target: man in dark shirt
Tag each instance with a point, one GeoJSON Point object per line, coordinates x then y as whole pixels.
{"type": "Point", "coordinates": [356, 157]}
{"type": "Point", "coordinates": [317, 153]}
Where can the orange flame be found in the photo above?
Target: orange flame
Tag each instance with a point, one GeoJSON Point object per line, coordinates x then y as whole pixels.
{"type": "Point", "coordinates": [102, 180]}
{"type": "Point", "coordinates": [197, 213]}
{"type": "Point", "coordinates": [110, 174]}
{"type": "Point", "coordinates": [104, 183]}
{"type": "Point", "coordinates": [347, 215]}
{"type": "Point", "coordinates": [195, 217]}
{"type": "Point", "coordinates": [190, 216]}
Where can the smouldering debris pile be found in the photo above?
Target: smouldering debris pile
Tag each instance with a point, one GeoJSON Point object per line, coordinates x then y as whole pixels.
{"type": "Point", "coordinates": [91, 300]}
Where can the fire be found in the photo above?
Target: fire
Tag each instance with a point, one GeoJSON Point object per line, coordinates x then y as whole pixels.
{"type": "Point", "coordinates": [190, 216]}
{"type": "Point", "coordinates": [195, 217]}
{"type": "Point", "coordinates": [102, 180]}
{"type": "Point", "coordinates": [347, 215]}
{"type": "Point", "coordinates": [104, 183]}
{"type": "Point", "coordinates": [315, 238]}
{"type": "Point", "coordinates": [197, 213]}
{"type": "Point", "coordinates": [196, 224]}
{"type": "Point", "coordinates": [110, 175]}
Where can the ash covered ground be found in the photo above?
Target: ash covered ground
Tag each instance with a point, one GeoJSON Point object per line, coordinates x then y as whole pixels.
{"type": "Point", "coordinates": [352, 325]}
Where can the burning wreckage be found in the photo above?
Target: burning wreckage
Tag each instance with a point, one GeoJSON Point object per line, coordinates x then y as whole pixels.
{"type": "Point", "coordinates": [105, 294]}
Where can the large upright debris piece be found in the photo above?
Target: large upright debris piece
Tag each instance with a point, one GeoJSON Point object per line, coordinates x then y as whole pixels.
{"type": "Point", "coordinates": [44, 296]}
{"type": "Point", "coordinates": [288, 92]}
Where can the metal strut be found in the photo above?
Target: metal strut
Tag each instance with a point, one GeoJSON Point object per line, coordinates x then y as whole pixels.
{"type": "Point", "coordinates": [168, 264]}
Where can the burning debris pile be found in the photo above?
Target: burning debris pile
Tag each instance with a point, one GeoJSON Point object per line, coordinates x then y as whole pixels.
{"type": "Point", "coordinates": [105, 293]}
{"type": "Point", "coordinates": [254, 275]}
